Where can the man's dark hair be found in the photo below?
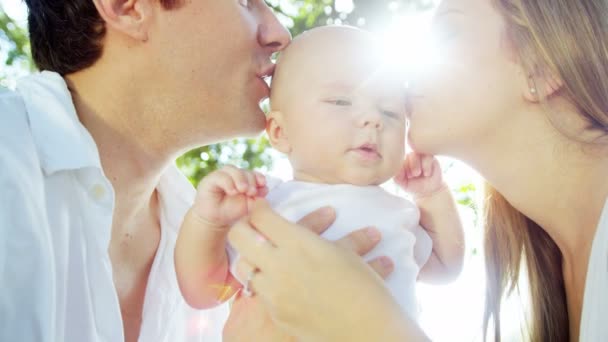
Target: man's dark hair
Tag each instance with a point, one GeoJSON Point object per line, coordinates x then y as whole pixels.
{"type": "Point", "coordinates": [66, 35]}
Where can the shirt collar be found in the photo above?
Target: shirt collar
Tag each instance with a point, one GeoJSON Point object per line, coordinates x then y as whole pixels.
{"type": "Point", "coordinates": [62, 142]}
{"type": "Point", "coordinates": [176, 195]}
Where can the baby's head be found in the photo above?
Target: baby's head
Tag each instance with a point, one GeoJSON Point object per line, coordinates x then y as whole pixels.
{"type": "Point", "coordinates": [335, 112]}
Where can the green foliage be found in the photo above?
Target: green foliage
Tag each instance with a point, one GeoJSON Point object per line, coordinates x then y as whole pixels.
{"type": "Point", "coordinates": [244, 153]}
{"type": "Point", "coordinates": [15, 37]}
{"type": "Point", "coordinates": [369, 14]}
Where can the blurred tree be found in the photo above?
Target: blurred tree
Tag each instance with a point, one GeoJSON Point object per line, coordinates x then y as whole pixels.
{"type": "Point", "coordinates": [14, 47]}
{"type": "Point", "coordinates": [16, 38]}
{"type": "Point", "coordinates": [245, 153]}
{"type": "Point", "coordinates": [372, 15]}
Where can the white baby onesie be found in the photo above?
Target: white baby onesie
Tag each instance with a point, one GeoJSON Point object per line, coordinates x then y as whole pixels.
{"type": "Point", "coordinates": [403, 240]}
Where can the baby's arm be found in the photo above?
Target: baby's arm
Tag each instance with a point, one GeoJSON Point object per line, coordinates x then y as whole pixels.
{"type": "Point", "coordinates": [201, 260]}
{"type": "Point", "coordinates": [439, 217]}
{"type": "Point", "coordinates": [421, 175]}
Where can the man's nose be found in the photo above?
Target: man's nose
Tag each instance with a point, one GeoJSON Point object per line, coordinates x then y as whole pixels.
{"type": "Point", "coordinates": [272, 34]}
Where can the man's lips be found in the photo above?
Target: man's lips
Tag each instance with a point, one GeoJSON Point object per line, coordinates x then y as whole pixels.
{"type": "Point", "coordinates": [266, 72]}
{"type": "Point", "coordinates": [264, 76]}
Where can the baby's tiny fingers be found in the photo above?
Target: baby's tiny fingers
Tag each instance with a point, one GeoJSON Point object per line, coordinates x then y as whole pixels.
{"type": "Point", "coordinates": [262, 191]}
{"type": "Point", "coordinates": [226, 183]}
{"type": "Point", "coordinates": [238, 176]}
{"type": "Point", "coordinates": [415, 168]}
{"type": "Point", "coordinates": [252, 187]}
{"type": "Point", "coordinates": [401, 177]}
{"type": "Point", "coordinates": [260, 179]}
{"type": "Point", "coordinates": [218, 182]}
{"type": "Point", "coordinates": [427, 165]}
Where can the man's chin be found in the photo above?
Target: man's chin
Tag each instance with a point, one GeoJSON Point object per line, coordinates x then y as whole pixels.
{"type": "Point", "coordinates": [251, 134]}
{"type": "Point", "coordinates": [254, 128]}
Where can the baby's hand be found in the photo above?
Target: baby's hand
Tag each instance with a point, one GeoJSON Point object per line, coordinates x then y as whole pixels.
{"type": "Point", "coordinates": [225, 195]}
{"type": "Point", "coordinates": [420, 175]}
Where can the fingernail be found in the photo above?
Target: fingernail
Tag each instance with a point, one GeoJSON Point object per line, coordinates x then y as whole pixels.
{"type": "Point", "coordinates": [373, 234]}
{"type": "Point", "coordinates": [386, 262]}
{"type": "Point", "coordinates": [327, 212]}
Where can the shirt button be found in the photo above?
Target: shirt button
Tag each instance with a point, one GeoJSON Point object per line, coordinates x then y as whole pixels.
{"type": "Point", "coordinates": [98, 192]}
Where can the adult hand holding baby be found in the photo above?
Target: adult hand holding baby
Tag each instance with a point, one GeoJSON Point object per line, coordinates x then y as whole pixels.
{"type": "Point", "coordinates": [304, 303]}
{"type": "Point", "coordinates": [224, 197]}
{"type": "Point", "coordinates": [249, 317]}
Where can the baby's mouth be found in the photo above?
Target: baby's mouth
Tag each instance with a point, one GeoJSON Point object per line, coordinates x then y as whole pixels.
{"type": "Point", "coordinates": [368, 151]}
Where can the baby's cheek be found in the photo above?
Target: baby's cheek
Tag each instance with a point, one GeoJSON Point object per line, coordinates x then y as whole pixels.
{"type": "Point", "coordinates": [396, 147]}
{"type": "Point", "coordinates": [394, 160]}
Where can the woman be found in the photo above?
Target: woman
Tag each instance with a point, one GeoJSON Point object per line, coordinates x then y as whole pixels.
{"type": "Point", "coordinates": [530, 80]}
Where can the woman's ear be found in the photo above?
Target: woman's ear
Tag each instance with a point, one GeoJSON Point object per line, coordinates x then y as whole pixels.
{"type": "Point", "coordinates": [537, 84]}
{"type": "Point", "coordinates": [130, 17]}
{"type": "Point", "coordinates": [277, 134]}
{"type": "Point", "coordinates": [541, 86]}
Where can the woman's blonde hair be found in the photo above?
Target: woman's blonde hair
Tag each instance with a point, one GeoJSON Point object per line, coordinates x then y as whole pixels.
{"type": "Point", "coordinates": [567, 39]}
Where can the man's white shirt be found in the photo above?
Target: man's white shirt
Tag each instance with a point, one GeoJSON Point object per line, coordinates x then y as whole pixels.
{"type": "Point", "coordinates": [56, 208]}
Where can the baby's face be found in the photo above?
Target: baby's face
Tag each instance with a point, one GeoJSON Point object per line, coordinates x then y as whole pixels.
{"type": "Point", "coordinates": [345, 122]}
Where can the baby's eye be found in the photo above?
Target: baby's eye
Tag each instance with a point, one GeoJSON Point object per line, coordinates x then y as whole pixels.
{"type": "Point", "coordinates": [341, 102]}
{"type": "Point", "coordinates": [390, 114]}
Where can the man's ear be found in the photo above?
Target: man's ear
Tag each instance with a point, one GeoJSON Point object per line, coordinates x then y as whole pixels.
{"type": "Point", "coordinates": [130, 17]}
{"type": "Point", "coordinates": [275, 128]}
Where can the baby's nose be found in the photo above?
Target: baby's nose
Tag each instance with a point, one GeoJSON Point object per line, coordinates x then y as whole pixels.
{"type": "Point", "coordinates": [371, 119]}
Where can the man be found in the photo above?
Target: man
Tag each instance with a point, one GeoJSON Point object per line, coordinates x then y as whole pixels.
{"type": "Point", "coordinates": [91, 202]}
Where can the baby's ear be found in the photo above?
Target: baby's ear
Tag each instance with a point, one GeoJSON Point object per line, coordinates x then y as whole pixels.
{"type": "Point", "coordinates": [275, 128]}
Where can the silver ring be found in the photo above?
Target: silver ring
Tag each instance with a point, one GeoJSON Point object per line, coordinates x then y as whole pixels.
{"type": "Point", "coordinates": [247, 291]}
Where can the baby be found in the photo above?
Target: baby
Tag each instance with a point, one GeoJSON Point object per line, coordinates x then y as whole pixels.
{"type": "Point", "coordinates": [341, 120]}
